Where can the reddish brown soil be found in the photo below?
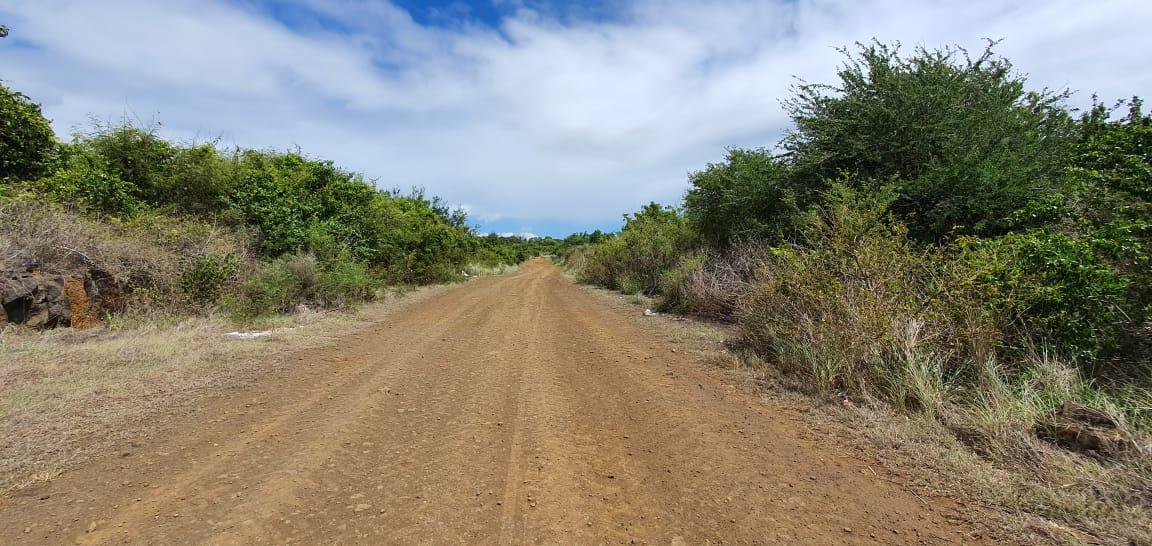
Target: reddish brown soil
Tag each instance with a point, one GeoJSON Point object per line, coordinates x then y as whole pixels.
{"type": "Point", "coordinates": [81, 309]}
{"type": "Point", "coordinates": [513, 409]}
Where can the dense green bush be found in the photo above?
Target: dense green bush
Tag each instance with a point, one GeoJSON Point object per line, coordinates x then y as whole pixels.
{"type": "Point", "coordinates": [344, 283]}
{"type": "Point", "coordinates": [1110, 200]}
{"type": "Point", "coordinates": [138, 156]}
{"type": "Point", "coordinates": [1051, 287]}
{"type": "Point", "coordinates": [420, 240]}
{"type": "Point", "coordinates": [208, 277]}
{"type": "Point", "coordinates": [194, 179]}
{"type": "Point", "coordinates": [300, 279]}
{"type": "Point", "coordinates": [494, 250]}
{"type": "Point", "coordinates": [752, 194]}
{"type": "Point", "coordinates": [964, 140]}
{"type": "Point", "coordinates": [295, 204]}
{"type": "Point", "coordinates": [199, 181]}
{"type": "Point", "coordinates": [649, 244]}
{"type": "Point", "coordinates": [273, 289]}
{"type": "Point", "coordinates": [86, 180]}
{"type": "Point", "coordinates": [27, 144]}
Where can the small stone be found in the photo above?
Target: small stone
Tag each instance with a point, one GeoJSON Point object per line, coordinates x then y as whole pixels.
{"type": "Point", "coordinates": [847, 529]}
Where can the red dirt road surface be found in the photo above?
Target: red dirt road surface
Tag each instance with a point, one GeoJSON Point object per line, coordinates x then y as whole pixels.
{"type": "Point", "coordinates": [511, 409]}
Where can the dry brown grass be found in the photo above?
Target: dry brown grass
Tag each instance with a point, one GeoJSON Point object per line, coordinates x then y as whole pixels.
{"type": "Point", "coordinates": [145, 254]}
{"type": "Point", "coordinates": [67, 394]}
{"type": "Point", "coordinates": [710, 284]}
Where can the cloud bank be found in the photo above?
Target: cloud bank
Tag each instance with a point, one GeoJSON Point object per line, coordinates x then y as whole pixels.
{"type": "Point", "coordinates": [534, 122]}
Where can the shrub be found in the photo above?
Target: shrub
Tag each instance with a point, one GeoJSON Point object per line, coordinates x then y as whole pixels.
{"type": "Point", "coordinates": [420, 240]}
{"type": "Point", "coordinates": [199, 180]}
{"type": "Point", "coordinates": [86, 181]}
{"type": "Point", "coordinates": [303, 268]}
{"type": "Point", "coordinates": [711, 283]}
{"type": "Point", "coordinates": [136, 155]}
{"type": "Point", "coordinates": [752, 194]}
{"type": "Point", "coordinates": [603, 263]}
{"type": "Point", "coordinates": [271, 195]}
{"type": "Point", "coordinates": [1111, 207]}
{"type": "Point", "coordinates": [650, 244]}
{"type": "Point", "coordinates": [847, 311]}
{"type": "Point", "coordinates": [27, 144]}
{"type": "Point", "coordinates": [963, 139]}
{"type": "Point", "coordinates": [344, 283]}
{"type": "Point", "coordinates": [271, 290]}
{"type": "Point", "coordinates": [494, 251]}
{"type": "Point", "coordinates": [1050, 287]}
{"type": "Point", "coordinates": [301, 279]}
{"type": "Point", "coordinates": [208, 277]}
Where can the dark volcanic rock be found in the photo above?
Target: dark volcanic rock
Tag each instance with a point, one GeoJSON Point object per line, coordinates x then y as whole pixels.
{"type": "Point", "coordinates": [34, 299]}
{"type": "Point", "coordinates": [38, 299]}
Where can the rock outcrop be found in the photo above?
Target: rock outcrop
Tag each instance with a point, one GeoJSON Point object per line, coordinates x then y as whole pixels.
{"type": "Point", "coordinates": [38, 299]}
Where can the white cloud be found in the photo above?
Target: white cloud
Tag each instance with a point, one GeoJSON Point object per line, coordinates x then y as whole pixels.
{"type": "Point", "coordinates": [536, 120]}
{"type": "Point", "coordinates": [526, 235]}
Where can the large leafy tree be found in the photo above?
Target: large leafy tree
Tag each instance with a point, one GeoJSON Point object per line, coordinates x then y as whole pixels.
{"type": "Point", "coordinates": [750, 195]}
{"type": "Point", "coordinates": [962, 138]}
{"type": "Point", "coordinates": [27, 145]}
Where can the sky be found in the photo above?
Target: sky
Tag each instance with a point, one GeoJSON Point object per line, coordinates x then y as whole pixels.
{"type": "Point", "coordinates": [544, 117]}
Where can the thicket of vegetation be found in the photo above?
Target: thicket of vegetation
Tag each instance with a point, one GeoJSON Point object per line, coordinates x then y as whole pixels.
{"type": "Point", "coordinates": [194, 227]}
{"type": "Point", "coordinates": [935, 236]}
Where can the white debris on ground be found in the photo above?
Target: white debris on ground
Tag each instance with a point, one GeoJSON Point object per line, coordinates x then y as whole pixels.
{"type": "Point", "coordinates": [248, 335]}
{"type": "Point", "coordinates": [650, 313]}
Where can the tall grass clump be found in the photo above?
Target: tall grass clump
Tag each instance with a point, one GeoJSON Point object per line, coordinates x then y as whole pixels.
{"type": "Point", "coordinates": [855, 307]}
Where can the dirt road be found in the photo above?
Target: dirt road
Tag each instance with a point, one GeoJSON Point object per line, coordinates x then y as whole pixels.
{"type": "Point", "coordinates": [513, 409]}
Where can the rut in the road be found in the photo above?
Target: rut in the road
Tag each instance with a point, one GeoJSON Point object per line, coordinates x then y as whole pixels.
{"type": "Point", "coordinates": [510, 409]}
